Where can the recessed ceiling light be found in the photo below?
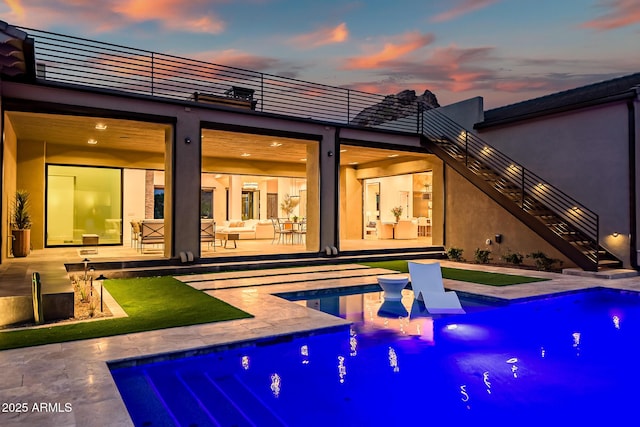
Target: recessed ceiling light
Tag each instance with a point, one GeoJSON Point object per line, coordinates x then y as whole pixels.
{"type": "Point", "coordinates": [393, 155]}
{"type": "Point", "coordinates": [343, 150]}
{"type": "Point", "coordinates": [218, 176]}
{"type": "Point", "coordinates": [275, 144]}
{"type": "Point", "coordinates": [92, 141]}
{"type": "Point", "coordinates": [101, 126]}
{"type": "Point", "coordinates": [353, 163]}
{"type": "Point", "coordinates": [303, 160]}
{"type": "Point", "coordinates": [245, 154]}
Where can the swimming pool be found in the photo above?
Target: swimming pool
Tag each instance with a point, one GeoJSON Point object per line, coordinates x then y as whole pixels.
{"type": "Point", "coordinates": [566, 360]}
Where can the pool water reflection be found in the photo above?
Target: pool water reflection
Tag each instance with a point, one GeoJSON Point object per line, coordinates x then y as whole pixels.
{"type": "Point", "coordinates": [567, 360]}
{"type": "Point", "coordinates": [371, 311]}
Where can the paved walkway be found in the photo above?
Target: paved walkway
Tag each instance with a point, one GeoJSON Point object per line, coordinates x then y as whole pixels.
{"type": "Point", "coordinates": [76, 372]}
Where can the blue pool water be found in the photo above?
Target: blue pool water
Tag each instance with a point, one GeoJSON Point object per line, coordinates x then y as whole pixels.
{"type": "Point", "coordinates": [568, 360]}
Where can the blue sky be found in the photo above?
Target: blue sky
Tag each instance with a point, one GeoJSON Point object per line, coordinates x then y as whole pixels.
{"type": "Point", "coordinates": [503, 50]}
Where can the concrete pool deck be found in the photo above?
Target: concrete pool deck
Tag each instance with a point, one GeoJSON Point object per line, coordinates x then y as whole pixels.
{"type": "Point", "coordinates": [47, 378]}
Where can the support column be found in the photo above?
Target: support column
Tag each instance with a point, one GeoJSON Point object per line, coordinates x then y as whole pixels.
{"type": "Point", "coordinates": [182, 187]}
{"type": "Point", "coordinates": [329, 158]}
{"type": "Point", "coordinates": [235, 197]}
{"type": "Point", "coordinates": [31, 177]}
{"type": "Point", "coordinates": [314, 222]}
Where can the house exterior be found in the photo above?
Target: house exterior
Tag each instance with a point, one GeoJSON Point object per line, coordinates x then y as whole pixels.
{"type": "Point", "coordinates": [586, 142]}
{"type": "Point", "coordinates": [102, 135]}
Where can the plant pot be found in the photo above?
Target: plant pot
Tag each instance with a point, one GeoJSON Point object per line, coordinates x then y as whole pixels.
{"type": "Point", "coordinates": [21, 243]}
{"type": "Point", "coordinates": [397, 219]}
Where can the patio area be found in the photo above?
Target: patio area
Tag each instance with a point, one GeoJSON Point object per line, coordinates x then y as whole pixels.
{"type": "Point", "coordinates": [76, 372]}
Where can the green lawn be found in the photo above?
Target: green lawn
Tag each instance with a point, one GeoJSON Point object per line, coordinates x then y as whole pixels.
{"type": "Point", "coordinates": [151, 303]}
{"type": "Point", "coordinates": [481, 277]}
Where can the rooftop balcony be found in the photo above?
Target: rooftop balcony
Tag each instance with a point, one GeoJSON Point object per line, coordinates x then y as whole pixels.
{"type": "Point", "coordinates": [62, 59]}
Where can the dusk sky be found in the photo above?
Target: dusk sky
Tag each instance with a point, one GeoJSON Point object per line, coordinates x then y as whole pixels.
{"type": "Point", "coordinates": [503, 50]}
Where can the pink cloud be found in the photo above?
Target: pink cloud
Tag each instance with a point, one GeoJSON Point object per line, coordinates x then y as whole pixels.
{"type": "Point", "coordinates": [323, 36]}
{"type": "Point", "coordinates": [108, 15]}
{"type": "Point", "coordinates": [406, 44]}
{"type": "Point", "coordinates": [192, 16]}
{"type": "Point", "coordinates": [621, 13]}
{"type": "Point", "coordinates": [465, 6]}
{"type": "Point", "coordinates": [16, 7]}
{"type": "Point", "coordinates": [383, 88]}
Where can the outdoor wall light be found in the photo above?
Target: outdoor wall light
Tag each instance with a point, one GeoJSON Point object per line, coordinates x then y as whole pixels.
{"type": "Point", "coordinates": [187, 140]}
{"type": "Point", "coordinates": [330, 153]}
{"type": "Point", "coordinates": [615, 234]}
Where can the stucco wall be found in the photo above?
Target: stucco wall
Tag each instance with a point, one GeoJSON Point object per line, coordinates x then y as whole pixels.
{"type": "Point", "coordinates": [465, 113]}
{"type": "Point", "coordinates": [350, 204]}
{"type": "Point", "coordinates": [583, 153]}
{"type": "Point", "coordinates": [31, 177]}
{"type": "Point", "coordinates": [10, 155]}
{"type": "Point", "coordinates": [472, 218]}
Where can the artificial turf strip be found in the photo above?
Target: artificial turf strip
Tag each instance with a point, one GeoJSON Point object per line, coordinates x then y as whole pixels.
{"type": "Point", "coordinates": [151, 303]}
{"type": "Point", "coordinates": [481, 277]}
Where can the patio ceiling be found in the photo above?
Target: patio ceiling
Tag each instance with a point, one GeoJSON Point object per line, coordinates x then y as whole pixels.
{"type": "Point", "coordinates": [129, 135]}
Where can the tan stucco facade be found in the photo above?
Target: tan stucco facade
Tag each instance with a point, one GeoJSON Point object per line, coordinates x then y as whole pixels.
{"type": "Point", "coordinates": [472, 218]}
{"type": "Point", "coordinates": [9, 186]}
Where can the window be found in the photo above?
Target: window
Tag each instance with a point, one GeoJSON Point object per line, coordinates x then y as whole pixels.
{"type": "Point", "coordinates": [206, 203]}
{"type": "Point", "coordinates": [83, 200]}
{"type": "Point", "coordinates": [158, 203]}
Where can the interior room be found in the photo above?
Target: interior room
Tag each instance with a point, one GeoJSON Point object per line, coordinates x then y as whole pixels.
{"type": "Point", "coordinates": [390, 198]}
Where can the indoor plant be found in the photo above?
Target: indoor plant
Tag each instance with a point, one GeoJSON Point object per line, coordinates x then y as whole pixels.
{"type": "Point", "coordinates": [397, 211]}
{"type": "Point", "coordinates": [21, 225]}
{"type": "Point", "coordinates": [288, 205]}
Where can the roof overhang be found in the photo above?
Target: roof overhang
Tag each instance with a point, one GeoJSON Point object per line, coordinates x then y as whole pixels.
{"type": "Point", "coordinates": [16, 52]}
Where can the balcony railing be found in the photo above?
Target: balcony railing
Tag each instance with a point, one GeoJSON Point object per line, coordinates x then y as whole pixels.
{"type": "Point", "coordinates": [78, 61]}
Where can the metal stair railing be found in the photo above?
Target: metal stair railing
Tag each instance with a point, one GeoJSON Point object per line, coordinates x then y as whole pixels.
{"type": "Point", "coordinates": [562, 214]}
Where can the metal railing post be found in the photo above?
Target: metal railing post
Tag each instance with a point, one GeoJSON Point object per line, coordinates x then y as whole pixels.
{"type": "Point", "coordinates": [597, 248]}
{"type": "Point", "coordinates": [348, 105]}
{"type": "Point", "coordinates": [152, 71]}
{"type": "Point", "coordinates": [522, 189]}
{"type": "Point", "coordinates": [262, 91]}
{"type": "Point", "coordinates": [466, 148]}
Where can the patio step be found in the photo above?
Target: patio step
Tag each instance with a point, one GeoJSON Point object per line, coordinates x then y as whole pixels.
{"type": "Point", "coordinates": [214, 281]}
{"type": "Point", "coordinates": [148, 268]}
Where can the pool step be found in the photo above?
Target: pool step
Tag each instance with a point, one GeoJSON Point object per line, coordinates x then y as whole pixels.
{"type": "Point", "coordinates": [192, 398]}
{"type": "Point", "coordinates": [185, 408]}
{"type": "Point", "coordinates": [254, 408]}
{"type": "Point", "coordinates": [221, 408]}
{"type": "Point", "coordinates": [148, 408]}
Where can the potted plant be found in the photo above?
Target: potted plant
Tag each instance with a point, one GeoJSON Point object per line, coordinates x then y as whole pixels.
{"type": "Point", "coordinates": [288, 205]}
{"type": "Point", "coordinates": [21, 225]}
{"type": "Point", "coordinates": [397, 211]}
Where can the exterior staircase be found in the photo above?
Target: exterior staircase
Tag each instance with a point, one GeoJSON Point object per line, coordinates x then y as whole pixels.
{"type": "Point", "coordinates": [559, 219]}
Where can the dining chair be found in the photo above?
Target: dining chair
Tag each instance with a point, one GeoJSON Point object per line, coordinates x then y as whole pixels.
{"type": "Point", "coordinates": [301, 231]}
{"type": "Point", "coordinates": [279, 233]}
